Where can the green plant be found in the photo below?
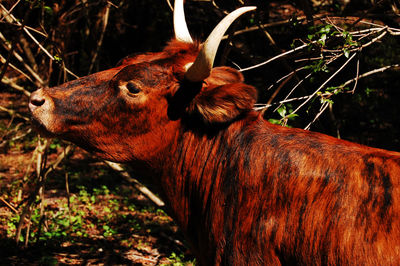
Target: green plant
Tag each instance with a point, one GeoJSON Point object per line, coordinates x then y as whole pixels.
{"type": "Point", "coordinates": [179, 260]}
{"type": "Point", "coordinates": [286, 114]}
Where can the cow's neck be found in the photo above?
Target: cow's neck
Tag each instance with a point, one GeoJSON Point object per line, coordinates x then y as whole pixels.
{"type": "Point", "coordinates": [197, 185]}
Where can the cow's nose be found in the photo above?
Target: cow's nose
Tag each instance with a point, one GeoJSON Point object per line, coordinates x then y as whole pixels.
{"type": "Point", "coordinates": [36, 100]}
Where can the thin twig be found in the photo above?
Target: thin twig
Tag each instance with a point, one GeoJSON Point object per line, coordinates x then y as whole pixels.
{"type": "Point", "coordinates": [271, 24]}
{"type": "Point", "coordinates": [357, 75]}
{"type": "Point", "coordinates": [59, 159]}
{"type": "Point", "coordinates": [100, 41]}
{"type": "Point", "coordinates": [323, 84]}
{"type": "Point", "coordinates": [322, 109]}
{"type": "Point", "coordinates": [13, 85]}
{"type": "Point", "coordinates": [21, 135]}
{"type": "Point", "coordinates": [13, 113]}
{"type": "Point", "coordinates": [261, 106]}
{"type": "Point", "coordinates": [26, 211]}
{"type": "Point", "coordinates": [169, 5]}
{"type": "Point", "coordinates": [272, 97]}
{"type": "Point", "coordinates": [68, 198]}
{"type": "Point", "coordinates": [28, 169]}
{"type": "Point", "coordinates": [293, 89]}
{"type": "Point", "coordinates": [27, 32]}
{"type": "Point", "coordinates": [139, 186]}
{"type": "Point", "coordinates": [12, 8]}
{"type": "Point", "coordinates": [41, 164]}
{"type": "Point", "coordinates": [6, 61]}
{"type": "Point", "coordinates": [285, 76]}
{"type": "Point", "coordinates": [275, 58]}
{"type": "Point", "coordinates": [369, 73]}
{"type": "Point", "coordinates": [393, 31]}
{"type": "Point", "coordinates": [28, 53]}
{"type": "Point", "coordinates": [42, 173]}
{"type": "Point", "coordinates": [21, 60]}
{"type": "Point", "coordinates": [28, 27]}
{"type": "Point", "coordinates": [286, 100]}
{"type": "Point", "coordinates": [34, 39]}
{"type": "Point", "coordinates": [9, 205]}
{"type": "Point", "coordinates": [3, 61]}
{"type": "Point", "coordinates": [28, 228]}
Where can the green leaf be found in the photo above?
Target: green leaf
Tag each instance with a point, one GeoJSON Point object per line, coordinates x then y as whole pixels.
{"type": "Point", "coordinates": [322, 39]}
{"type": "Point", "coordinates": [57, 58]}
{"type": "Point", "coordinates": [282, 111]}
{"type": "Point", "coordinates": [346, 53]}
{"type": "Point", "coordinates": [292, 116]}
{"type": "Point", "coordinates": [48, 10]}
{"type": "Point", "coordinates": [274, 121]}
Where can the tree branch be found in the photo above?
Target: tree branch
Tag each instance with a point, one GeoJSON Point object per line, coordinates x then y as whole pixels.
{"type": "Point", "coordinates": [144, 190]}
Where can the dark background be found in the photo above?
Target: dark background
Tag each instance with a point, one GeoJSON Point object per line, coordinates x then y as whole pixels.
{"type": "Point", "coordinates": [371, 118]}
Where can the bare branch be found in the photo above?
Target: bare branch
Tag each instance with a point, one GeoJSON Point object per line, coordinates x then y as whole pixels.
{"type": "Point", "coordinates": [3, 60]}
{"type": "Point", "coordinates": [292, 90]}
{"type": "Point", "coordinates": [21, 60]}
{"type": "Point", "coordinates": [100, 41]}
{"type": "Point", "coordinates": [25, 29]}
{"type": "Point", "coordinates": [357, 76]}
{"type": "Point", "coordinates": [261, 106]}
{"type": "Point", "coordinates": [324, 84]}
{"type": "Point", "coordinates": [272, 24]}
{"type": "Point", "coordinates": [139, 186]}
{"type": "Point", "coordinates": [274, 58]}
{"type": "Point", "coordinates": [9, 205]}
{"type": "Point", "coordinates": [325, 105]}
{"type": "Point", "coordinates": [375, 39]}
{"type": "Point", "coordinates": [11, 9]}
{"type": "Point", "coordinates": [59, 159]}
{"type": "Point", "coordinates": [169, 5]}
{"type": "Point", "coordinates": [14, 85]}
{"type": "Point", "coordinates": [369, 73]}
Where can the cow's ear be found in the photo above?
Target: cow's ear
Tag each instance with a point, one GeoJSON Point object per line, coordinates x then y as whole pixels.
{"type": "Point", "coordinates": [224, 75]}
{"type": "Point", "coordinates": [224, 103]}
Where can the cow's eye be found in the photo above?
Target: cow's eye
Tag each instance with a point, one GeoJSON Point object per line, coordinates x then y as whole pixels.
{"type": "Point", "coordinates": [132, 88]}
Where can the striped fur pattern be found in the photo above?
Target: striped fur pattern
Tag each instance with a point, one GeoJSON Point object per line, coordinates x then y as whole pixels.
{"type": "Point", "coordinates": [244, 191]}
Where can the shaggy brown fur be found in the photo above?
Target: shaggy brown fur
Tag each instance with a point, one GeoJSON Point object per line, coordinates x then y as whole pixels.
{"type": "Point", "coordinates": [244, 191]}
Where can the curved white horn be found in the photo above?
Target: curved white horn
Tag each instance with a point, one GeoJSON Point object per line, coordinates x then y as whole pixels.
{"type": "Point", "coordinates": [203, 64]}
{"type": "Point", "coordinates": [180, 27]}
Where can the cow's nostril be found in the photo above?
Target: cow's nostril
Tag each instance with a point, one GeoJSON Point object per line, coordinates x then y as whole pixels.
{"type": "Point", "coordinates": [37, 102]}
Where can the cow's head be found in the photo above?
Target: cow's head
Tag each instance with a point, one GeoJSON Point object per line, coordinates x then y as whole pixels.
{"type": "Point", "coordinates": [129, 112]}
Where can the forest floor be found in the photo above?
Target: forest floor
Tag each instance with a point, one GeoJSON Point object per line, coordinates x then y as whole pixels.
{"type": "Point", "coordinates": [88, 214]}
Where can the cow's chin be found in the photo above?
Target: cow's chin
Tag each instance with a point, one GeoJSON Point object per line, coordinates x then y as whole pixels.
{"type": "Point", "coordinates": [40, 128]}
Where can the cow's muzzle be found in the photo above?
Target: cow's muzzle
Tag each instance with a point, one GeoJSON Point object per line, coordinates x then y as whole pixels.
{"type": "Point", "coordinates": [41, 108]}
{"type": "Point", "coordinates": [36, 100]}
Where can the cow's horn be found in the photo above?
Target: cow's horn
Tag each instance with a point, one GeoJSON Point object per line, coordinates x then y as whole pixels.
{"type": "Point", "coordinates": [181, 30]}
{"type": "Point", "coordinates": [201, 67]}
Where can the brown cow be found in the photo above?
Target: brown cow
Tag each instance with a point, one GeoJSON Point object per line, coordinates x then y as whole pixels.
{"type": "Point", "coordinates": [244, 191]}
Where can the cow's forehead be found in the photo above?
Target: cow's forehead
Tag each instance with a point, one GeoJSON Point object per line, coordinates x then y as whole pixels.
{"type": "Point", "coordinates": [149, 73]}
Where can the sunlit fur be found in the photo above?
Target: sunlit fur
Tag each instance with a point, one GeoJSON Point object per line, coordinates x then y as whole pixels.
{"type": "Point", "coordinates": [244, 191]}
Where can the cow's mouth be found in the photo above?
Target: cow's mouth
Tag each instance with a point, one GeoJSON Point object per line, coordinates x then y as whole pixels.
{"type": "Point", "coordinates": [38, 126]}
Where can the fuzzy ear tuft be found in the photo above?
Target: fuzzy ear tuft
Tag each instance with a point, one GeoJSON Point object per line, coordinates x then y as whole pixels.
{"type": "Point", "coordinates": [222, 104]}
{"type": "Point", "coordinates": [224, 75]}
